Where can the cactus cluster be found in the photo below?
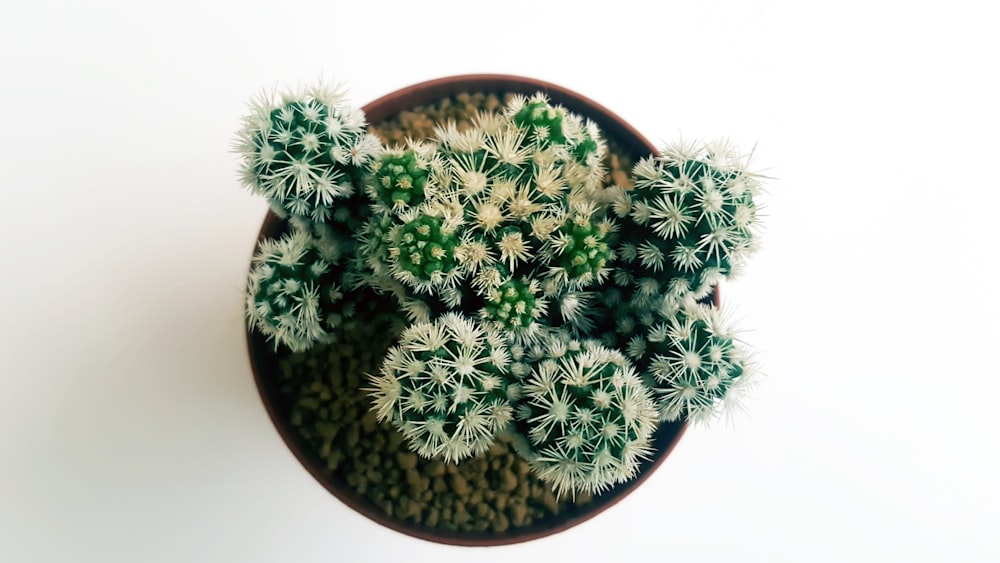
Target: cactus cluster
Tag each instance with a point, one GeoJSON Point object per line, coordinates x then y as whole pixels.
{"type": "Point", "coordinates": [540, 301]}
{"type": "Point", "coordinates": [495, 220]}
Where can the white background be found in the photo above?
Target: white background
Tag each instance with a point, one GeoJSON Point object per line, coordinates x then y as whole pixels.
{"type": "Point", "coordinates": [130, 429]}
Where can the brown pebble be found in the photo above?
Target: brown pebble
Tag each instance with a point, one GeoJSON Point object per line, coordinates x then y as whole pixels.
{"type": "Point", "coordinates": [333, 461]}
{"type": "Point", "coordinates": [326, 429]}
{"type": "Point", "coordinates": [536, 491]}
{"type": "Point", "coordinates": [523, 488]}
{"type": "Point", "coordinates": [550, 502]}
{"type": "Point", "coordinates": [432, 517]}
{"type": "Point", "coordinates": [410, 508]}
{"type": "Point", "coordinates": [620, 178]}
{"type": "Point", "coordinates": [500, 523]}
{"type": "Point", "coordinates": [461, 514]}
{"type": "Point", "coordinates": [435, 469]}
{"type": "Point", "coordinates": [482, 510]}
{"type": "Point", "coordinates": [407, 460]}
{"type": "Point", "coordinates": [368, 422]}
{"type": "Point", "coordinates": [459, 485]}
{"type": "Point", "coordinates": [395, 439]}
{"type": "Point", "coordinates": [351, 413]}
{"type": "Point", "coordinates": [353, 380]}
{"type": "Point", "coordinates": [478, 465]}
{"type": "Point", "coordinates": [518, 513]}
{"type": "Point", "coordinates": [508, 481]}
{"type": "Point", "coordinates": [352, 436]}
{"type": "Point", "coordinates": [439, 485]}
{"type": "Point", "coordinates": [521, 467]}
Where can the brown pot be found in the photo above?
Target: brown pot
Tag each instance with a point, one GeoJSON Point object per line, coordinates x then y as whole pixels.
{"type": "Point", "coordinates": [265, 363]}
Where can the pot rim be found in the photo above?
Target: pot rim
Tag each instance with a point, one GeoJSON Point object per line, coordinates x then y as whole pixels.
{"type": "Point", "coordinates": [263, 360]}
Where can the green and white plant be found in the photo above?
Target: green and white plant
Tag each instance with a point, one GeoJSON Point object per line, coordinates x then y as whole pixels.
{"type": "Point", "coordinates": [446, 387]}
{"type": "Point", "coordinates": [587, 417]}
{"type": "Point", "coordinates": [304, 150]}
{"type": "Point", "coordinates": [542, 302]}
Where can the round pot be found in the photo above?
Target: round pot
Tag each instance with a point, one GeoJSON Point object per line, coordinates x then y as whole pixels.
{"type": "Point", "coordinates": [265, 362]}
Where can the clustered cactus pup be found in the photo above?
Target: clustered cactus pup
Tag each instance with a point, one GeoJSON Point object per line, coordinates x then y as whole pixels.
{"type": "Point", "coordinates": [541, 300]}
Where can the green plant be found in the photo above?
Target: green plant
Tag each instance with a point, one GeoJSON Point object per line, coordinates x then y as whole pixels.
{"type": "Point", "coordinates": [586, 415]}
{"type": "Point", "coordinates": [304, 150]}
{"type": "Point", "coordinates": [530, 284]}
{"type": "Point", "coordinates": [293, 289]}
{"type": "Point", "coordinates": [691, 359]}
{"type": "Point", "coordinates": [446, 387]}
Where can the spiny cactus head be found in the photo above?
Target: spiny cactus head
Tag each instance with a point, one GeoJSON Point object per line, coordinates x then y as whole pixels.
{"type": "Point", "coordinates": [514, 305]}
{"type": "Point", "coordinates": [445, 387]}
{"type": "Point", "coordinates": [692, 360]}
{"type": "Point", "coordinates": [373, 246]}
{"type": "Point", "coordinates": [587, 417]}
{"type": "Point", "coordinates": [542, 120]}
{"type": "Point", "coordinates": [695, 206]}
{"type": "Point", "coordinates": [576, 311]}
{"type": "Point", "coordinates": [422, 250]}
{"type": "Point", "coordinates": [400, 178]}
{"type": "Point", "coordinates": [334, 246]}
{"type": "Point", "coordinates": [587, 150]}
{"type": "Point", "coordinates": [580, 250]}
{"type": "Point", "coordinates": [287, 291]}
{"type": "Point", "coordinates": [551, 135]}
{"type": "Point", "coordinates": [589, 145]}
{"type": "Point", "coordinates": [303, 150]}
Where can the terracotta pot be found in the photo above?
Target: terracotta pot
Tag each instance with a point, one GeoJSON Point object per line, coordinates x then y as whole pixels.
{"type": "Point", "coordinates": [264, 362]}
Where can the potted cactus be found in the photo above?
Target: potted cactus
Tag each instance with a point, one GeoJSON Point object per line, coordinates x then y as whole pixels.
{"type": "Point", "coordinates": [509, 292]}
